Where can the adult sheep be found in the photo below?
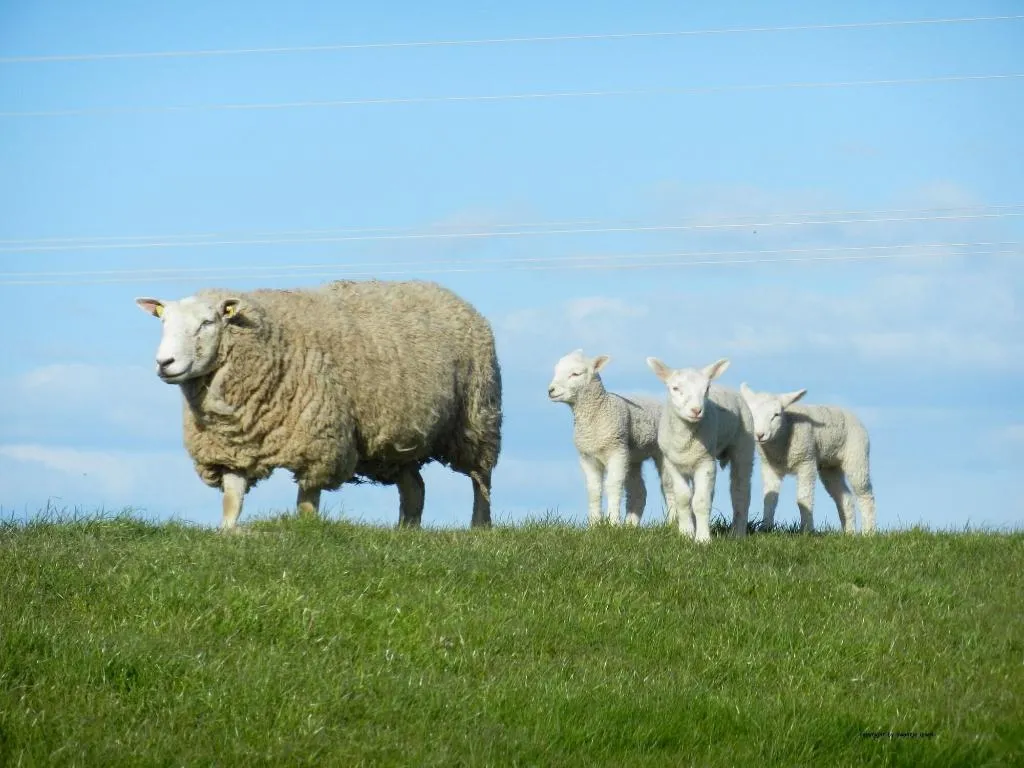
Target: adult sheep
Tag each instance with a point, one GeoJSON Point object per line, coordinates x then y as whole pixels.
{"type": "Point", "coordinates": [350, 381]}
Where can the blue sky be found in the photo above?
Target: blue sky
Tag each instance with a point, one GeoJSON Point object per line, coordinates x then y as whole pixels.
{"type": "Point", "coordinates": [929, 349]}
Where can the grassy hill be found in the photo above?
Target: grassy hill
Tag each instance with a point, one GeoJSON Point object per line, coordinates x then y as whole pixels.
{"type": "Point", "coordinates": [125, 643]}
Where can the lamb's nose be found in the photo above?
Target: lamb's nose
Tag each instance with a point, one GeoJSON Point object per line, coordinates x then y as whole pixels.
{"type": "Point", "coordinates": [760, 435]}
{"type": "Point", "coordinates": [162, 363]}
{"type": "Point", "coordinates": [551, 391]}
{"type": "Point", "coordinates": [695, 411]}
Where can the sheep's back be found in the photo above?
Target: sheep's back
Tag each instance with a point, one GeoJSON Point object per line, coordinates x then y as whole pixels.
{"type": "Point", "coordinates": [407, 354]}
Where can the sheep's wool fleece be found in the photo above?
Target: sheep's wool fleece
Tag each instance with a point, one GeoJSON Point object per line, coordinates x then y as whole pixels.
{"type": "Point", "coordinates": [350, 377]}
{"type": "Point", "coordinates": [819, 434]}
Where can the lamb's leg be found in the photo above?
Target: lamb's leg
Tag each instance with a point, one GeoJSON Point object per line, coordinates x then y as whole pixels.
{"type": "Point", "coordinates": [411, 493]}
{"type": "Point", "coordinates": [481, 498]}
{"type": "Point", "coordinates": [772, 484]}
{"type": "Point", "coordinates": [703, 495]}
{"type": "Point", "coordinates": [636, 494]}
{"type": "Point", "coordinates": [615, 471]}
{"type": "Point", "coordinates": [740, 469]}
{"type": "Point", "coordinates": [683, 497]}
{"type": "Point", "coordinates": [805, 477]}
{"type": "Point", "coordinates": [234, 487]}
{"type": "Point", "coordinates": [593, 472]}
{"type": "Point", "coordinates": [832, 479]}
{"type": "Point", "coordinates": [865, 494]}
{"type": "Point", "coordinates": [308, 502]}
{"type": "Point", "coordinates": [668, 494]}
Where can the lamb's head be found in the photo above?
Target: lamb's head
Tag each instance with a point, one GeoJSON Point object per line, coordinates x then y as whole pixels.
{"type": "Point", "coordinates": [573, 373]}
{"type": "Point", "coordinates": [192, 329]}
{"type": "Point", "coordinates": [688, 387]}
{"type": "Point", "coordinates": [767, 410]}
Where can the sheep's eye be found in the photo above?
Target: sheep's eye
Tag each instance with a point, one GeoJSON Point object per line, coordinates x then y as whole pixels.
{"type": "Point", "coordinates": [574, 374]}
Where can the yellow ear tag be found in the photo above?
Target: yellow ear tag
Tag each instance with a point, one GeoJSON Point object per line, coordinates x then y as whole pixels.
{"type": "Point", "coordinates": [158, 310]}
{"type": "Point", "coordinates": [230, 310]}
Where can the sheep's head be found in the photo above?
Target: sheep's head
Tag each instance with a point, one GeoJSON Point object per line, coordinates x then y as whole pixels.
{"type": "Point", "coordinates": [767, 409]}
{"type": "Point", "coordinates": [688, 387]}
{"type": "Point", "coordinates": [192, 329]}
{"type": "Point", "coordinates": [572, 373]}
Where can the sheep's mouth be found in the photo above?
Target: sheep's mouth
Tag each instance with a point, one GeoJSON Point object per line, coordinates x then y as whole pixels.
{"type": "Point", "coordinates": [175, 378]}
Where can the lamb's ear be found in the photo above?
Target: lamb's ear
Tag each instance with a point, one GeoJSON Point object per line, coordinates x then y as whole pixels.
{"type": "Point", "coordinates": [600, 362]}
{"type": "Point", "coordinates": [791, 397]}
{"type": "Point", "coordinates": [661, 370]}
{"type": "Point", "coordinates": [153, 307]}
{"type": "Point", "coordinates": [716, 369]}
{"type": "Point", "coordinates": [746, 391]}
{"type": "Point", "coordinates": [228, 308]}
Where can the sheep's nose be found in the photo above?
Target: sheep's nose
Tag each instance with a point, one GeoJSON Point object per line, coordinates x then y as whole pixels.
{"type": "Point", "coordinates": [760, 435]}
{"type": "Point", "coordinates": [551, 391]}
{"type": "Point", "coordinates": [695, 411]}
{"type": "Point", "coordinates": [162, 363]}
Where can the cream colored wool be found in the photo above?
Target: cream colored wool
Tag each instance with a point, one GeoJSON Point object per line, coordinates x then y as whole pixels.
{"type": "Point", "coordinates": [351, 381]}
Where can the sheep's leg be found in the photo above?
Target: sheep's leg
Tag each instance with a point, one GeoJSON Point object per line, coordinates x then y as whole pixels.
{"type": "Point", "coordinates": [615, 471]}
{"type": "Point", "coordinates": [739, 491]}
{"type": "Point", "coordinates": [636, 494]}
{"type": "Point", "coordinates": [772, 484]}
{"type": "Point", "coordinates": [411, 493]}
{"type": "Point", "coordinates": [703, 496]}
{"type": "Point", "coordinates": [865, 494]}
{"type": "Point", "coordinates": [481, 499]}
{"type": "Point", "coordinates": [668, 494]}
{"type": "Point", "coordinates": [805, 477]}
{"type": "Point", "coordinates": [308, 502]}
{"type": "Point", "coordinates": [234, 487]}
{"type": "Point", "coordinates": [593, 472]}
{"type": "Point", "coordinates": [834, 483]}
{"type": "Point", "coordinates": [683, 497]}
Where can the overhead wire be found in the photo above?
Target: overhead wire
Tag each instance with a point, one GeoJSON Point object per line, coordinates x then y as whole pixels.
{"type": "Point", "coordinates": [82, 57]}
{"type": "Point", "coordinates": [658, 91]}
{"type": "Point", "coordinates": [493, 233]}
{"type": "Point", "coordinates": [512, 264]}
{"type": "Point", "coordinates": [730, 219]}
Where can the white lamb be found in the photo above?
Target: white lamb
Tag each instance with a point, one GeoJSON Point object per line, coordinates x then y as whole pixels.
{"type": "Point", "coordinates": [614, 436]}
{"type": "Point", "coordinates": [700, 425]}
{"type": "Point", "coordinates": [807, 441]}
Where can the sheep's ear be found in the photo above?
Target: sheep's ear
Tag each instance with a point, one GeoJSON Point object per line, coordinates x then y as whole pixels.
{"type": "Point", "coordinates": [153, 307]}
{"type": "Point", "coordinates": [229, 308]}
{"type": "Point", "coordinates": [600, 362]}
{"type": "Point", "coordinates": [791, 397]}
{"type": "Point", "coordinates": [746, 391]}
{"type": "Point", "coordinates": [661, 370]}
{"type": "Point", "coordinates": [716, 369]}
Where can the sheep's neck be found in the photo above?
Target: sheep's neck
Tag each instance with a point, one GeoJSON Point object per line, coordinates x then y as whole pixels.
{"type": "Point", "coordinates": [778, 446]}
{"type": "Point", "coordinates": [194, 391]}
{"type": "Point", "coordinates": [589, 401]}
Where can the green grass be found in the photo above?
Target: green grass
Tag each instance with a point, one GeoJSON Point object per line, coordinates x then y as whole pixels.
{"type": "Point", "coordinates": [315, 642]}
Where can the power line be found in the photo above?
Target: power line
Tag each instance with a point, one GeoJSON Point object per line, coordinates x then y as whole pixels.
{"type": "Point", "coordinates": [666, 91]}
{"type": "Point", "coordinates": [434, 266]}
{"type": "Point", "coordinates": [737, 219]}
{"type": "Point", "coordinates": [511, 233]}
{"type": "Point", "coordinates": [493, 41]}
